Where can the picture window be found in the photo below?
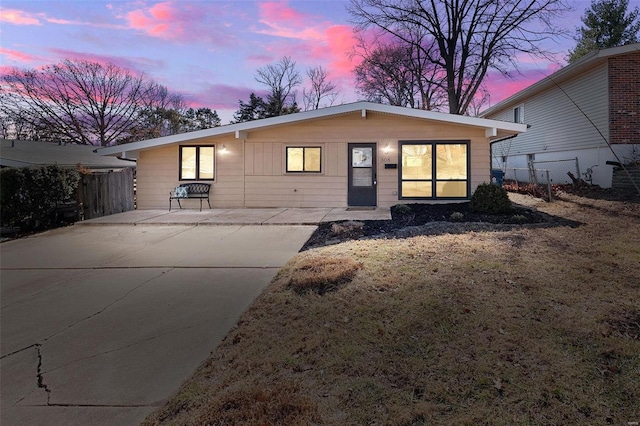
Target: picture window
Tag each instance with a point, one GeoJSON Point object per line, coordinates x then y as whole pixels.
{"type": "Point", "coordinates": [434, 170]}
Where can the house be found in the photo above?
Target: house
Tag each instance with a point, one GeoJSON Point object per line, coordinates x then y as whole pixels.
{"type": "Point", "coordinates": [15, 153]}
{"type": "Point", "coordinates": [578, 118]}
{"type": "Point", "coordinates": [360, 154]}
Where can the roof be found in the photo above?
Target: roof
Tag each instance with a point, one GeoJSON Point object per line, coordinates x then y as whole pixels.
{"type": "Point", "coordinates": [493, 128]}
{"type": "Point", "coordinates": [583, 64]}
{"type": "Point", "coordinates": [15, 153]}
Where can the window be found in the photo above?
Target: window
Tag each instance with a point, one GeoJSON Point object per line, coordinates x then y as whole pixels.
{"type": "Point", "coordinates": [518, 116]}
{"type": "Point", "coordinates": [434, 169]}
{"type": "Point", "coordinates": [197, 162]}
{"type": "Point", "coordinates": [304, 159]}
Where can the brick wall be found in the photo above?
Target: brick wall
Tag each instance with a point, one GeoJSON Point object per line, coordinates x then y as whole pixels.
{"type": "Point", "coordinates": [624, 98]}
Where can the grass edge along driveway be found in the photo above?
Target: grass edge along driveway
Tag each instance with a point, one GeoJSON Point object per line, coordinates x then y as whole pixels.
{"type": "Point", "coordinates": [532, 326]}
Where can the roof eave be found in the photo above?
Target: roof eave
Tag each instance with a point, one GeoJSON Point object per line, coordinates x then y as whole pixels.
{"type": "Point", "coordinates": [240, 130]}
{"type": "Point", "coordinates": [589, 60]}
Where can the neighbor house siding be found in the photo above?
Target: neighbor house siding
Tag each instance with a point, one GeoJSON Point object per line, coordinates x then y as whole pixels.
{"type": "Point", "coordinates": [560, 130]}
{"type": "Point", "coordinates": [557, 125]}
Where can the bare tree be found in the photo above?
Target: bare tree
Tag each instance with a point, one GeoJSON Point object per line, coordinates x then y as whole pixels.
{"type": "Point", "coordinates": [281, 78]}
{"type": "Point", "coordinates": [79, 101]}
{"type": "Point", "coordinates": [321, 88]}
{"type": "Point", "coordinates": [161, 113]}
{"type": "Point", "coordinates": [468, 37]}
{"type": "Point", "coordinates": [397, 73]}
{"type": "Point", "coordinates": [479, 102]}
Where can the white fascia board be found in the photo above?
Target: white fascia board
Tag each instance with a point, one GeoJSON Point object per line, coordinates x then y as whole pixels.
{"type": "Point", "coordinates": [590, 60]}
{"type": "Point", "coordinates": [239, 129]}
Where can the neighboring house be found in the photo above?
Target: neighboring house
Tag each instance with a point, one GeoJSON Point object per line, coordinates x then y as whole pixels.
{"type": "Point", "coordinates": [573, 113]}
{"type": "Point", "coordinates": [14, 153]}
{"type": "Point", "coordinates": [360, 154]}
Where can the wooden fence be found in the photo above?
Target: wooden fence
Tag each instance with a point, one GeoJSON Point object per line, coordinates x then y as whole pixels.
{"type": "Point", "coordinates": [105, 193]}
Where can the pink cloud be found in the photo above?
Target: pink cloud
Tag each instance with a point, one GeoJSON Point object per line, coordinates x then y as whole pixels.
{"type": "Point", "coordinates": [310, 39]}
{"type": "Point", "coordinates": [280, 11]}
{"type": "Point", "coordinates": [184, 22]}
{"type": "Point", "coordinates": [135, 64]}
{"type": "Point", "coordinates": [85, 23]}
{"type": "Point", "coordinates": [18, 56]}
{"type": "Point", "coordinates": [283, 21]}
{"type": "Point", "coordinates": [340, 41]}
{"type": "Point", "coordinates": [18, 17]}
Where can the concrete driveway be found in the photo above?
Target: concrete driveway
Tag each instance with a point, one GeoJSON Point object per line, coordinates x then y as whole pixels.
{"type": "Point", "coordinates": [100, 324]}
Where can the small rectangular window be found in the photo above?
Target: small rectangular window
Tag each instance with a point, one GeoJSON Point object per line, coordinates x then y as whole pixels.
{"type": "Point", "coordinates": [197, 162]}
{"type": "Point", "coordinates": [304, 159]}
{"type": "Point", "coordinates": [518, 116]}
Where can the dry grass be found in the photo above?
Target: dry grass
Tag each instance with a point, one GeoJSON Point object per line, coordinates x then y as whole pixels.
{"type": "Point", "coordinates": [321, 273]}
{"type": "Point", "coordinates": [535, 326]}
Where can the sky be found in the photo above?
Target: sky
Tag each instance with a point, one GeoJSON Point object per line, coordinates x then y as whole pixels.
{"type": "Point", "coordinates": [209, 50]}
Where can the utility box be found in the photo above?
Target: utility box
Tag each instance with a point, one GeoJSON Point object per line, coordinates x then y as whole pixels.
{"type": "Point", "coordinates": [497, 176]}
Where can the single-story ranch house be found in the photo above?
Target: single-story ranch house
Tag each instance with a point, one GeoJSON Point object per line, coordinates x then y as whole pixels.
{"type": "Point", "coordinates": [359, 154]}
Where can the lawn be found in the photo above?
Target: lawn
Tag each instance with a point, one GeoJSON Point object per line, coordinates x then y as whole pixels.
{"type": "Point", "coordinates": [525, 326]}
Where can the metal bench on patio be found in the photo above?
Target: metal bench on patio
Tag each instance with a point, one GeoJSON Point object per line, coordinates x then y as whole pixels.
{"type": "Point", "coordinates": [190, 190]}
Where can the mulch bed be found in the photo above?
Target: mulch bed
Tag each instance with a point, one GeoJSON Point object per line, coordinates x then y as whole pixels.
{"type": "Point", "coordinates": [431, 219]}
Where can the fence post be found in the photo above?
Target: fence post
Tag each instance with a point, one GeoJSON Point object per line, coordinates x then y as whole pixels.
{"type": "Point", "coordinates": [578, 175]}
{"type": "Point", "coordinates": [548, 184]}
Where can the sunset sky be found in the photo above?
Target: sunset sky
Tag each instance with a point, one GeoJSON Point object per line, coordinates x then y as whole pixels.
{"type": "Point", "coordinates": [209, 51]}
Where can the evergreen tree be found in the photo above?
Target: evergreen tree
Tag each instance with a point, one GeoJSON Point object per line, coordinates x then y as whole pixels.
{"type": "Point", "coordinates": [606, 24]}
{"type": "Point", "coordinates": [255, 109]}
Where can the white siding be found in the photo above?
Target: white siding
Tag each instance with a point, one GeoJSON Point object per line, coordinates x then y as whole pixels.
{"type": "Point", "coordinates": [557, 125]}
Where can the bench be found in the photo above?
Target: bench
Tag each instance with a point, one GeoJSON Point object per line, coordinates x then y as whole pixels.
{"type": "Point", "coordinates": [191, 190]}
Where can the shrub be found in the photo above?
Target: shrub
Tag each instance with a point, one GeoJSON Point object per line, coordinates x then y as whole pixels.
{"type": "Point", "coordinates": [402, 209]}
{"type": "Point", "coordinates": [456, 216]}
{"type": "Point", "coordinates": [402, 213]}
{"type": "Point", "coordinates": [29, 195]}
{"type": "Point", "coordinates": [492, 199]}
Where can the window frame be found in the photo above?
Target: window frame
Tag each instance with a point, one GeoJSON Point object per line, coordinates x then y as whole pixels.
{"type": "Point", "coordinates": [304, 148]}
{"type": "Point", "coordinates": [518, 114]}
{"type": "Point", "coordinates": [197, 177]}
{"type": "Point", "coordinates": [434, 172]}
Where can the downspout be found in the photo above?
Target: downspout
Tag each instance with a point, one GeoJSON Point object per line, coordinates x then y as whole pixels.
{"type": "Point", "coordinates": [506, 138]}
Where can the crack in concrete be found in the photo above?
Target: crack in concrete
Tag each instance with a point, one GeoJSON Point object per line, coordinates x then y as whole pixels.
{"type": "Point", "coordinates": [45, 290]}
{"type": "Point", "coordinates": [18, 351]}
{"type": "Point", "coordinates": [130, 345]}
{"type": "Point", "coordinates": [39, 371]}
{"type": "Point", "coordinates": [41, 384]}
{"type": "Point", "coordinates": [105, 307]}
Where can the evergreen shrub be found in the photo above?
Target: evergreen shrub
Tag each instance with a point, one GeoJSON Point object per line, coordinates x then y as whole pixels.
{"type": "Point", "coordinates": [492, 199]}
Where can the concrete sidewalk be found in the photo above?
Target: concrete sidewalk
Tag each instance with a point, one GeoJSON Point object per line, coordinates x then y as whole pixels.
{"type": "Point", "coordinates": [240, 216]}
{"type": "Point", "coordinates": [101, 324]}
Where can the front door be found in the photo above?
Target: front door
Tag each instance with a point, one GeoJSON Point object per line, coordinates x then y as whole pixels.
{"type": "Point", "coordinates": [362, 174]}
